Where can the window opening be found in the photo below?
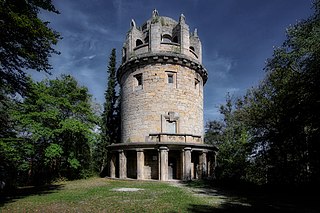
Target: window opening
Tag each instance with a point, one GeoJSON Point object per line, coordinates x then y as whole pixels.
{"type": "Point", "coordinates": [166, 38]}
{"type": "Point", "coordinates": [196, 83]}
{"type": "Point", "coordinates": [138, 78]}
{"type": "Point", "coordinates": [175, 39]}
{"type": "Point", "coordinates": [170, 78]}
{"type": "Point", "coordinates": [138, 42]}
{"type": "Point", "coordinates": [146, 39]}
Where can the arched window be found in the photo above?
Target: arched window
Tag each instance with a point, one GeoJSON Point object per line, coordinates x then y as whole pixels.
{"type": "Point", "coordinates": [166, 38]}
{"type": "Point", "coordinates": [191, 48]}
{"type": "Point", "coordinates": [138, 42]}
{"type": "Point", "coordinates": [175, 39]}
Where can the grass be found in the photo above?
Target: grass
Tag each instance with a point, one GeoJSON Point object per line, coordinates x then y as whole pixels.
{"type": "Point", "coordinates": [98, 195]}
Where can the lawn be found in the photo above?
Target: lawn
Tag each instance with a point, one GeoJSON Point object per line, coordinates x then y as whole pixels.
{"type": "Point", "coordinates": [99, 195]}
{"type": "Point", "coordinates": [106, 195]}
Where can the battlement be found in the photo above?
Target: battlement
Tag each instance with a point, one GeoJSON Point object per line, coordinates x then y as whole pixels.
{"type": "Point", "coordinates": [162, 34]}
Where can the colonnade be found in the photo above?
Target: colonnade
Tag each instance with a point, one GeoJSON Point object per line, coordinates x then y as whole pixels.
{"type": "Point", "coordinates": [204, 168]}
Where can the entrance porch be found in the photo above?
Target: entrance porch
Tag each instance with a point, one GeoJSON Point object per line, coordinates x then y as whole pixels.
{"type": "Point", "coordinates": [161, 161]}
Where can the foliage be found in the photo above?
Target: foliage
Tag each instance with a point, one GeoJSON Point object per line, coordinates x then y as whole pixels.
{"type": "Point", "coordinates": [110, 124]}
{"type": "Point", "coordinates": [231, 137]}
{"type": "Point", "coordinates": [25, 41]}
{"type": "Point", "coordinates": [54, 125]}
{"type": "Point", "coordinates": [288, 101]}
{"type": "Point", "coordinates": [281, 116]}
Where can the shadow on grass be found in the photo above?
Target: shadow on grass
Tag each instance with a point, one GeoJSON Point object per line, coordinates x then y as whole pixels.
{"type": "Point", "coordinates": [254, 200]}
{"type": "Point", "coordinates": [21, 192]}
{"type": "Point", "coordinates": [229, 208]}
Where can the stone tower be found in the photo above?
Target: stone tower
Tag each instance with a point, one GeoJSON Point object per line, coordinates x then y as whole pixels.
{"type": "Point", "coordinates": [162, 79]}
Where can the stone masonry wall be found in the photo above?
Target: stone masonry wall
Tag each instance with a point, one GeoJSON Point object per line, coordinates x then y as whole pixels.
{"type": "Point", "coordinates": [144, 107]}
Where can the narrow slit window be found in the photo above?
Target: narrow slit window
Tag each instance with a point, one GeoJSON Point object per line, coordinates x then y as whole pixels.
{"type": "Point", "coordinates": [170, 78]}
{"type": "Point", "coordinates": [138, 78]}
{"type": "Point", "coordinates": [196, 83]}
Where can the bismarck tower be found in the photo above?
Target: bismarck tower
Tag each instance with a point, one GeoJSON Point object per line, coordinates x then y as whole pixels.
{"type": "Point", "coordinates": [162, 79]}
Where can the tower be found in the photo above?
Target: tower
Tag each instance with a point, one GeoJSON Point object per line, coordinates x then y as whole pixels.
{"type": "Point", "coordinates": [162, 79]}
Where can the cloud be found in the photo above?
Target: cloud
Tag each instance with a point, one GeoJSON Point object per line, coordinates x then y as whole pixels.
{"type": "Point", "coordinates": [214, 97]}
{"type": "Point", "coordinates": [219, 66]}
{"type": "Point", "coordinates": [89, 57]}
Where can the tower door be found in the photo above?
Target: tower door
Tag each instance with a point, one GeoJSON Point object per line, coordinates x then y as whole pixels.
{"type": "Point", "coordinates": [172, 168]}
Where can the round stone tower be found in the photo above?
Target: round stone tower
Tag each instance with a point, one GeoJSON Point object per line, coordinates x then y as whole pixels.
{"type": "Point", "coordinates": [161, 79]}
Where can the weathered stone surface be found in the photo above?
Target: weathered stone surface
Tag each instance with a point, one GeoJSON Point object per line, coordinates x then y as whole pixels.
{"type": "Point", "coordinates": [140, 164]}
{"type": "Point", "coordinates": [143, 108]}
{"type": "Point", "coordinates": [145, 104]}
{"type": "Point", "coordinates": [122, 165]}
{"type": "Point", "coordinates": [162, 79]}
{"type": "Point", "coordinates": [163, 163]}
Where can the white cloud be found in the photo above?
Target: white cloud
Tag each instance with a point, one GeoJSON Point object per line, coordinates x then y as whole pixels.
{"type": "Point", "coordinates": [219, 66]}
{"type": "Point", "coordinates": [89, 57]}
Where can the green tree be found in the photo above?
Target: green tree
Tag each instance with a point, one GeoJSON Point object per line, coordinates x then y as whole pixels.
{"type": "Point", "coordinates": [282, 113]}
{"type": "Point", "coordinates": [110, 117]}
{"type": "Point", "coordinates": [55, 122]}
{"type": "Point", "coordinates": [231, 137]}
{"type": "Point", "coordinates": [25, 41]}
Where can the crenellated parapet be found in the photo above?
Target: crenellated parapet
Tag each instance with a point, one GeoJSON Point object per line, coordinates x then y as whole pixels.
{"type": "Point", "coordinates": [162, 34]}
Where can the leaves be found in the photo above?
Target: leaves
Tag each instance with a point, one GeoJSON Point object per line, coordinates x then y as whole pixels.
{"type": "Point", "coordinates": [52, 152]}
{"type": "Point", "coordinates": [271, 135]}
{"type": "Point", "coordinates": [110, 123]}
{"type": "Point", "coordinates": [25, 41]}
{"type": "Point", "coordinates": [55, 122]}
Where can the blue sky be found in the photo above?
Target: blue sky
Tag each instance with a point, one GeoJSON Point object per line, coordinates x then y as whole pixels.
{"type": "Point", "coordinates": [237, 37]}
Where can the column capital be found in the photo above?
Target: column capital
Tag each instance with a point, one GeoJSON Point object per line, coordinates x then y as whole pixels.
{"type": "Point", "coordinates": [163, 148]}
{"type": "Point", "coordinates": [140, 150]}
{"type": "Point", "coordinates": [187, 149]}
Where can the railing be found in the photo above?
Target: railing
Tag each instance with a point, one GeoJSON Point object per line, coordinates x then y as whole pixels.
{"type": "Point", "coordinates": [170, 47]}
{"type": "Point", "coordinates": [170, 137]}
{"type": "Point", "coordinates": [143, 48]}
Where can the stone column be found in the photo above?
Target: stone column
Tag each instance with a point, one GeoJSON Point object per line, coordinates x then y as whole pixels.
{"type": "Point", "coordinates": [140, 164]}
{"type": "Point", "coordinates": [184, 36]}
{"type": "Point", "coordinates": [122, 165]}
{"type": "Point", "coordinates": [155, 36]}
{"type": "Point", "coordinates": [187, 164]}
{"type": "Point", "coordinates": [113, 160]}
{"type": "Point", "coordinates": [163, 163]}
{"type": "Point", "coordinates": [213, 164]}
{"type": "Point", "coordinates": [203, 165]}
